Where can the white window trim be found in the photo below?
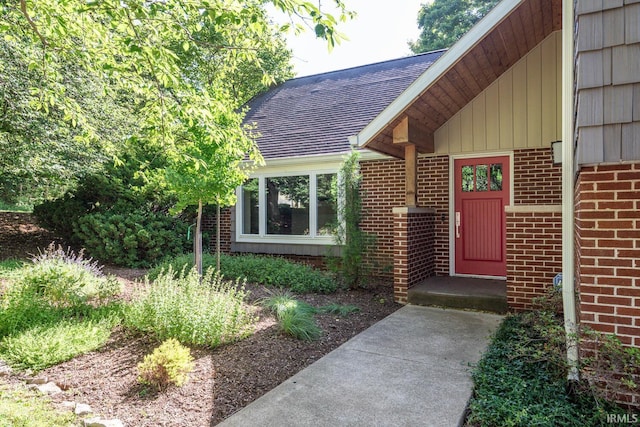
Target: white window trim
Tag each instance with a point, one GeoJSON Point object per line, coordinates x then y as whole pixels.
{"type": "Point", "coordinates": [330, 167]}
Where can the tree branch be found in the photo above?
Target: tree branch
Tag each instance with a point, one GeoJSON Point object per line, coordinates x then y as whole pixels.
{"type": "Point", "coordinates": [34, 27]}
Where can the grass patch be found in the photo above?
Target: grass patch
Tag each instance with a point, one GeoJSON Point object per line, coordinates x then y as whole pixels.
{"type": "Point", "coordinates": [207, 312]}
{"type": "Point", "coordinates": [16, 207]}
{"type": "Point", "coordinates": [521, 379]}
{"type": "Point", "coordinates": [24, 408]}
{"type": "Point", "coordinates": [269, 271]}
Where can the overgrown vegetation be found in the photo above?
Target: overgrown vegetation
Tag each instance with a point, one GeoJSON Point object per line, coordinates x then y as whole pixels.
{"type": "Point", "coordinates": [269, 271]}
{"type": "Point", "coordinates": [54, 309]}
{"type": "Point", "coordinates": [521, 379]}
{"type": "Point", "coordinates": [206, 311]}
{"type": "Point", "coordinates": [25, 408]}
{"type": "Point", "coordinates": [170, 363]}
{"type": "Point", "coordinates": [351, 267]}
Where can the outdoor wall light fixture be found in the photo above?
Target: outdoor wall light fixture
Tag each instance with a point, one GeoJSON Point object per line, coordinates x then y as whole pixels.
{"type": "Point", "coordinates": [556, 149]}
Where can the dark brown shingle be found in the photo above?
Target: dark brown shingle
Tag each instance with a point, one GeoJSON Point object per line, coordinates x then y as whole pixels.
{"type": "Point", "coordinates": [317, 114]}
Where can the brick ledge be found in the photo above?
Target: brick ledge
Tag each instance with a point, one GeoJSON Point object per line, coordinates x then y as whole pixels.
{"type": "Point", "coordinates": [413, 210]}
{"type": "Point", "coordinates": [533, 209]}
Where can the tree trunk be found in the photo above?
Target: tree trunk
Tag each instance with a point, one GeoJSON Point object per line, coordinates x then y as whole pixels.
{"type": "Point", "coordinates": [197, 252]}
{"type": "Point", "coordinates": [218, 237]}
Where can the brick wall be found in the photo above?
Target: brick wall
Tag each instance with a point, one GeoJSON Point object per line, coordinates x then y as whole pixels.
{"type": "Point", "coordinates": [536, 180]}
{"type": "Point", "coordinates": [433, 192]}
{"type": "Point", "coordinates": [414, 249]}
{"type": "Point", "coordinates": [534, 252]}
{"type": "Point", "coordinates": [210, 227]}
{"type": "Point", "coordinates": [608, 237]}
{"type": "Point", "coordinates": [383, 189]}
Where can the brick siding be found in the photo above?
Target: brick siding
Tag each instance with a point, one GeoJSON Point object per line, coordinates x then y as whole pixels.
{"type": "Point", "coordinates": [534, 253]}
{"type": "Point", "coordinates": [209, 227]}
{"type": "Point", "coordinates": [608, 249]}
{"type": "Point", "coordinates": [536, 180]}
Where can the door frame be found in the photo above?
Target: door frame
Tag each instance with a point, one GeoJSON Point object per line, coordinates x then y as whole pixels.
{"type": "Point", "coordinates": [452, 198]}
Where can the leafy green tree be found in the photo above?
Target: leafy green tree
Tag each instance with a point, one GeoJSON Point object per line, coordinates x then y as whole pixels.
{"type": "Point", "coordinates": [136, 46]}
{"type": "Point", "coordinates": [443, 22]}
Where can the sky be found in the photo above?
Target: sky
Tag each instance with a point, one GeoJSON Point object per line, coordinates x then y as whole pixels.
{"type": "Point", "coordinates": [379, 32]}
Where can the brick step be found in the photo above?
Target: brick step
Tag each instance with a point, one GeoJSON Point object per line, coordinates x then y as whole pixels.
{"type": "Point", "coordinates": [461, 293]}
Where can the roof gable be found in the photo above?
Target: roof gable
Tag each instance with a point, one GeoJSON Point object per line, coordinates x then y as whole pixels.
{"type": "Point", "coordinates": [496, 43]}
{"type": "Point", "coordinates": [316, 114]}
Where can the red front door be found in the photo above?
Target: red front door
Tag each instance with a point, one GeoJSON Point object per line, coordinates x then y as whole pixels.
{"type": "Point", "coordinates": [481, 193]}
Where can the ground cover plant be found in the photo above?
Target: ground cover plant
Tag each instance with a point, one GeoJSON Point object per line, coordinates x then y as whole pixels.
{"type": "Point", "coordinates": [270, 271]}
{"type": "Point", "coordinates": [521, 379]}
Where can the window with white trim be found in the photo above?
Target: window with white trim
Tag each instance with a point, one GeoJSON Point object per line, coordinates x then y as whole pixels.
{"type": "Point", "coordinates": [296, 207]}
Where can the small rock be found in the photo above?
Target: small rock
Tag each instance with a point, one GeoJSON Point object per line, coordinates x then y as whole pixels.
{"type": "Point", "coordinates": [99, 422]}
{"type": "Point", "coordinates": [82, 409]}
{"type": "Point", "coordinates": [37, 380]}
{"type": "Point", "coordinates": [69, 404]}
{"type": "Point", "coordinates": [5, 371]}
{"type": "Point", "coordinates": [49, 388]}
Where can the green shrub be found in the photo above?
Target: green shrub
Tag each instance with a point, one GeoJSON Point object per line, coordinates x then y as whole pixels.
{"type": "Point", "coordinates": [269, 271]}
{"type": "Point", "coordinates": [66, 279]}
{"type": "Point", "coordinates": [170, 363]}
{"type": "Point", "coordinates": [206, 312]}
{"type": "Point", "coordinates": [133, 239]}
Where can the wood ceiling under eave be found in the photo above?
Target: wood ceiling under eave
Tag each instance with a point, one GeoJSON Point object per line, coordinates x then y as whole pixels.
{"type": "Point", "coordinates": [527, 26]}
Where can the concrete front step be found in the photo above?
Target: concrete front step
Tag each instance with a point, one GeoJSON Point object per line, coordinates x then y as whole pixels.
{"type": "Point", "coordinates": [461, 293]}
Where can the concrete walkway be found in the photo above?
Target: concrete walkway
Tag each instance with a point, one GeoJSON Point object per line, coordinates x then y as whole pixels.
{"type": "Point", "coordinates": [409, 369]}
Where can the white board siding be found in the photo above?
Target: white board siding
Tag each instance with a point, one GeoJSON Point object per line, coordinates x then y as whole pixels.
{"type": "Point", "coordinates": [521, 109]}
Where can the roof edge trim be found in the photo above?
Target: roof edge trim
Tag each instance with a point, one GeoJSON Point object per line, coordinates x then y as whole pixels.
{"type": "Point", "coordinates": [501, 11]}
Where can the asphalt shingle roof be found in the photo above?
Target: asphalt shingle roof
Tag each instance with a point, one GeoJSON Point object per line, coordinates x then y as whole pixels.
{"type": "Point", "coordinates": [317, 114]}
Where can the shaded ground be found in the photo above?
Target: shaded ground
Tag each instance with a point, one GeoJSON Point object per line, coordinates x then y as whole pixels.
{"type": "Point", "coordinates": [224, 380]}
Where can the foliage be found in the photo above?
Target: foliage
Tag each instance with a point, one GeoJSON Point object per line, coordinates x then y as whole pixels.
{"type": "Point", "coordinates": [24, 408]}
{"type": "Point", "coordinates": [153, 52]}
{"type": "Point", "coordinates": [207, 312]}
{"type": "Point", "coordinates": [294, 317]}
{"type": "Point", "coordinates": [170, 363]}
{"type": "Point", "coordinates": [42, 346]}
{"type": "Point", "coordinates": [51, 310]}
{"type": "Point", "coordinates": [133, 239]}
{"type": "Point", "coordinates": [42, 153]}
{"type": "Point", "coordinates": [355, 243]}
{"type": "Point", "coordinates": [265, 270]}
{"type": "Point", "coordinates": [443, 22]}
{"type": "Point", "coordinates": [63, 278]}
{"type": "Point", "coordinates": [521, 379]}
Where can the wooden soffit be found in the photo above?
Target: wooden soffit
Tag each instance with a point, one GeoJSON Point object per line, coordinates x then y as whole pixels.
{"type": "Point", "coordinates": [487, 57]}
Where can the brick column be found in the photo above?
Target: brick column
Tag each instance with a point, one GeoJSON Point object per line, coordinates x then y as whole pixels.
{"type": "Point", "coordinates": [413, 248]}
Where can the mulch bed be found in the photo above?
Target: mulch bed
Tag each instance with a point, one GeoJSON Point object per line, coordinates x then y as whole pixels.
{"type": "Point", "coordinates": [224, 379]}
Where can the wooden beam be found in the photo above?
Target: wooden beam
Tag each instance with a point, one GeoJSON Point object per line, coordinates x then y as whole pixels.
{"type": "Point", "coordinates": [410, 132]}
{"type": "Point", "coordinates": [411, 175]}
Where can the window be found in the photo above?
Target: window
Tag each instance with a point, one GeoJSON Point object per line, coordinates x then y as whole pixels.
{"type": "Point", "coordinates": [299, 207]}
